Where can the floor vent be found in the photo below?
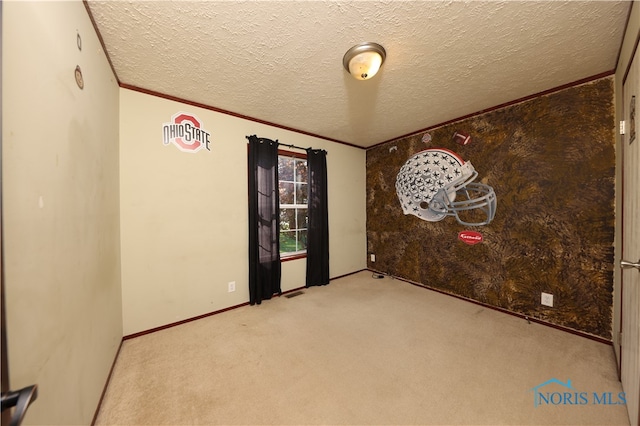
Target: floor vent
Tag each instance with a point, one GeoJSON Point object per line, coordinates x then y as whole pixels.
{"type": "Point", "coordinates": [294, 294]}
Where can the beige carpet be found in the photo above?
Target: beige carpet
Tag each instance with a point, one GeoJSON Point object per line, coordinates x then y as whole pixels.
{"type": "Point", "coordinates": [361, 351]}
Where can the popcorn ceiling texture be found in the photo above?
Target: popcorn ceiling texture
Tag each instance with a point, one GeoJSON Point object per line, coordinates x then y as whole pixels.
{"type": "Point", "coordinates": [281, 61]}
{"type": "Point", "coordinates": [551, 162]}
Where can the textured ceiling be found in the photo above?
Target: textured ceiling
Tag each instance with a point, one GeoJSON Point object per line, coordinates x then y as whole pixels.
{"type": "Point", "coordinates": [281, 61]}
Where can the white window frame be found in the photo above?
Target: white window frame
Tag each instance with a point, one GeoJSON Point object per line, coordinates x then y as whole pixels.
{"type": "Point", "coordinates": [297, 156]}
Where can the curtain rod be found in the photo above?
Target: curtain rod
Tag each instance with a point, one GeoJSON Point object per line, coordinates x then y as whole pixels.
{"type": "Point", "coordinates": [299, 147]}
{"type": "Point", "coordinates": [294, 146]}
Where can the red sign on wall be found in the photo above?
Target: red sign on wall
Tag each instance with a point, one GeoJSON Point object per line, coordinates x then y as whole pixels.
{"type": "Point", "coordinates": [186, 132]}
{"type": "Point", "coordinates": [470, 237]}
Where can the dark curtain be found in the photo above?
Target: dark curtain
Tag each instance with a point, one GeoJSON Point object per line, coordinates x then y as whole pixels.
{"type": "Point", "coordinates": [264, 208]}
{"type": "Point", "coordinates": [318, 226]}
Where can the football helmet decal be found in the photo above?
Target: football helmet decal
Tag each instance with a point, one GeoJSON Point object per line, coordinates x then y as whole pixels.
{"type": "Point", "coordinates": [436, 183]}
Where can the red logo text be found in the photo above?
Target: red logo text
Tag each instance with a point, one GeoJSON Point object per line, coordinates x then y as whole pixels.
{"type": "Point", "coordinates": [470, 237]}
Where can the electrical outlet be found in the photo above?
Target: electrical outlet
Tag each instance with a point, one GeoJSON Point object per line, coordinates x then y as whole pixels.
{"type": "Point", "coordinates": [232, 286]}
{"type": "Point", "coordinates": [373, 257]}
{"type": "Point", "coordinates": [546, 299]}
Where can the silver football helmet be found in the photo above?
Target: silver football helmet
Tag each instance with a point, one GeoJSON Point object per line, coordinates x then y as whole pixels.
{"type": "Point", "coordinates": [430, 181]}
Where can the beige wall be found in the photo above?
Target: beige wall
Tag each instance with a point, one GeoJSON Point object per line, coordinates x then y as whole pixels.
{"type": "Point", "coordinates": [184, 215]}
{"type": "Point", "coordinates": [60, 206]}
{"type": "Point", "coordinates": [628, 45]}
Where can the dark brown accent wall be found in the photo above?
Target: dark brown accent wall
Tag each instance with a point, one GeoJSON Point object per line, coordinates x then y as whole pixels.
{"type": "Point", "coordinates": [551, 163]}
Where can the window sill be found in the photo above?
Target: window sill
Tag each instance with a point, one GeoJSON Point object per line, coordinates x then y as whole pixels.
{"type": "Point", "coordinates": [294, 256]}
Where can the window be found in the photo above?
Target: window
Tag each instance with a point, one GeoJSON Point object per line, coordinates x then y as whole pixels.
{"type": "Point", "coordinates": [293, 187]}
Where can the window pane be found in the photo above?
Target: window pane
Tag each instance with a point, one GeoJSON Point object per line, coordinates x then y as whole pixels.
{"type": "Point", "coordinates": [302, 240]}
{"type": "Point", "coordinates": [294, 197]}
{"type": "Point", "coordinates": [302, 218]}
{"type": "Point", "coordinates": [285, 168]}
{"type": "Point", "coordinates": [287, 241]}
{"type": "Point", "coordinates": [301, 170]}
{"type": "Point", "coordinates": [287, 219]}
{"type": "Point", "coordinates": [286, 193]}
{"type": "Point", "coordinates": [302, 196]}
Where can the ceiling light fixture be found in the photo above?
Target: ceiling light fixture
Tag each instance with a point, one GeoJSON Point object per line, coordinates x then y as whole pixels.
{"type": "Point", "coordinates": [364, 60]}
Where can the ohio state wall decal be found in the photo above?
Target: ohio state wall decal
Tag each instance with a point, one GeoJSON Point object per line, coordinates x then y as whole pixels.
{"type": "Point", "coordinates": [185, 131]}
